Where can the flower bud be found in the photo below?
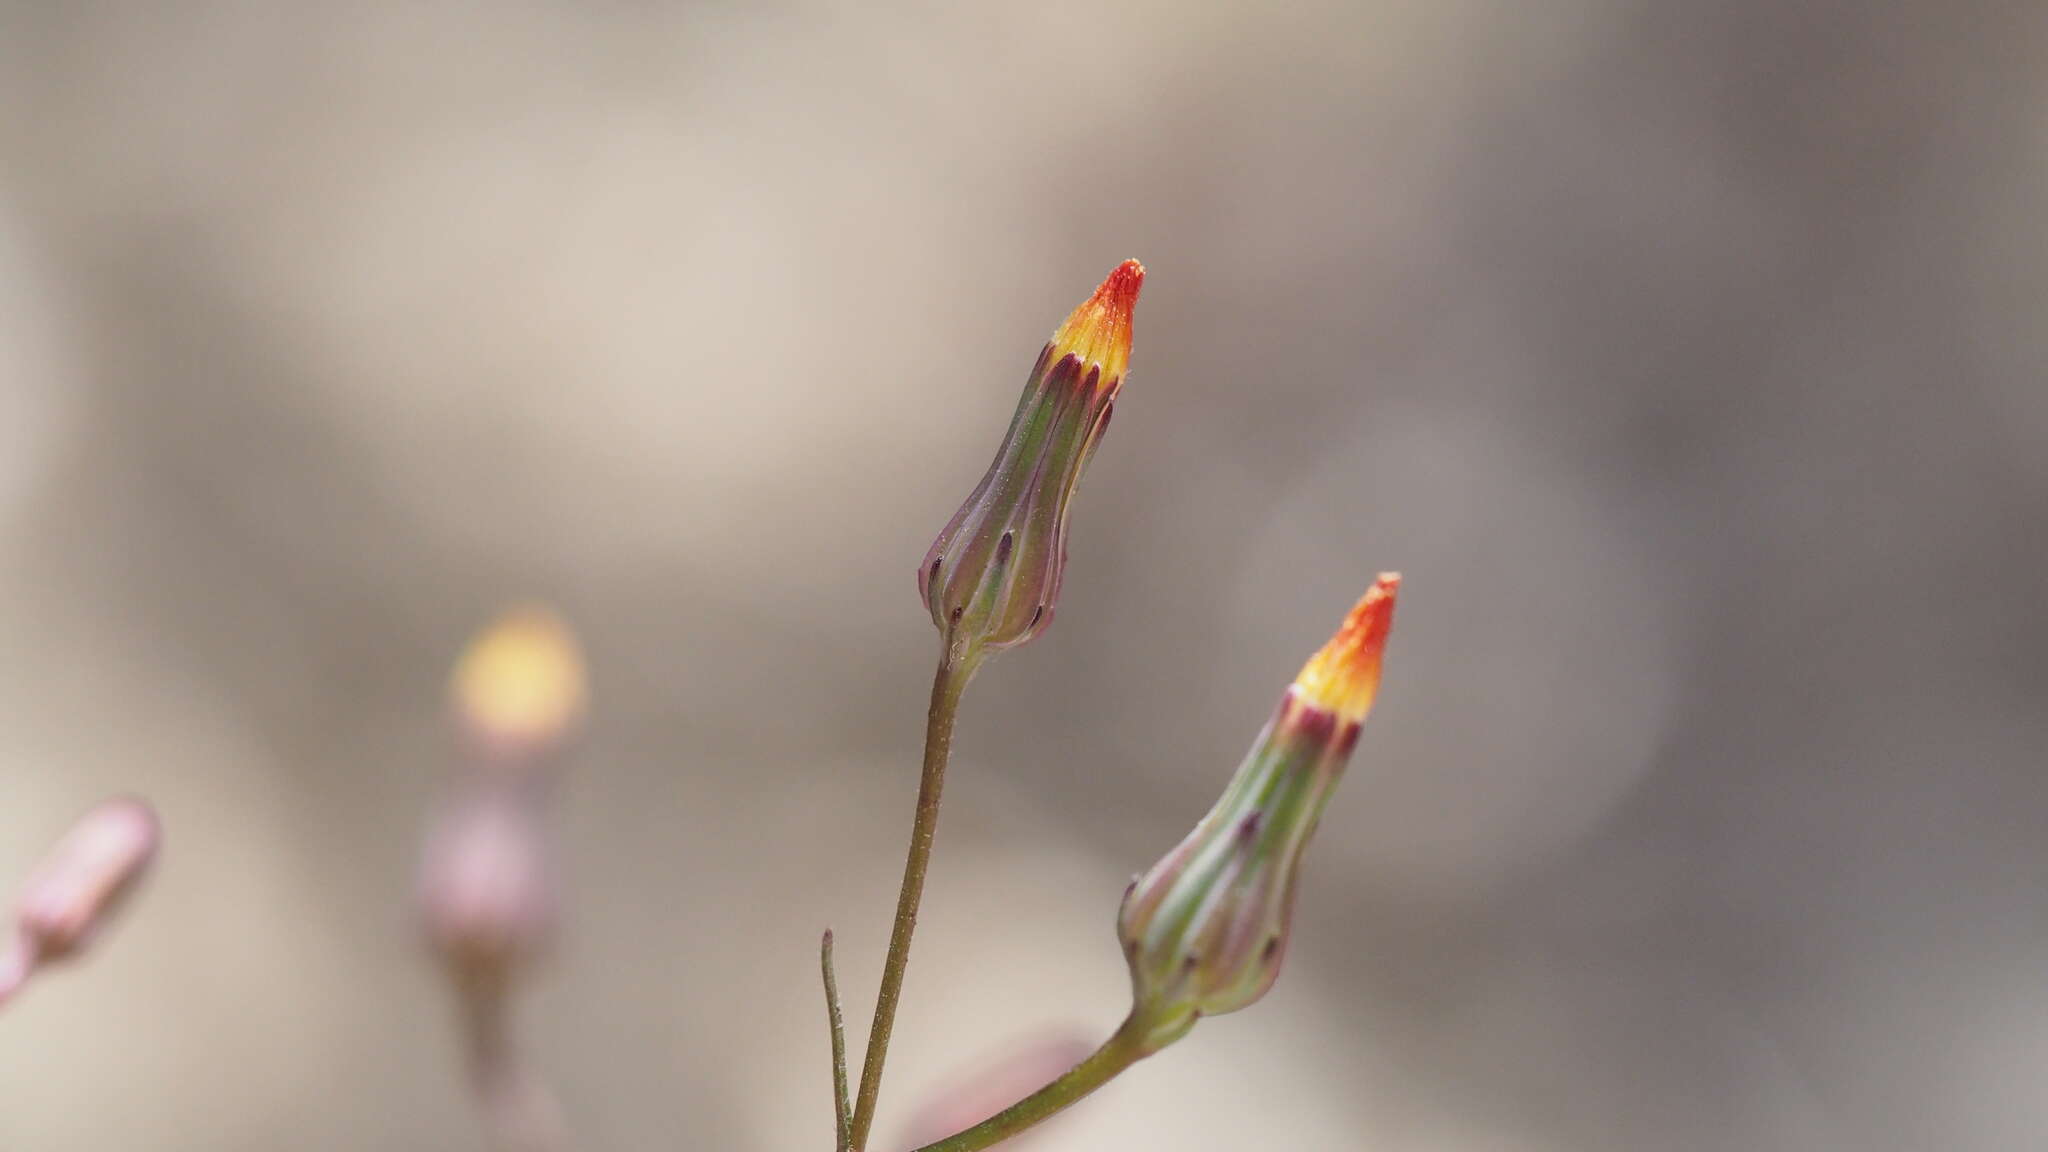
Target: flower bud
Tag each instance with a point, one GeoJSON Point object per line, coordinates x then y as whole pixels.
{"type": "Point", "coordinates": [992, 576]}
{"type": "Point", "coordinates": [519, 689]}
{"type": "Point", "coordinates": [485, 888]}
{"type": "Point", "coordinates": [1205, 930]}
{"type": "Point", "coordinates": [486, 878]}
{"type": "Point", "coordinates": [77, 887]}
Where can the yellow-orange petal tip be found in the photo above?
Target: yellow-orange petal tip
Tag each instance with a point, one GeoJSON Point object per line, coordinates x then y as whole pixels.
{"type": "Point", "coordinates": [1343, 676]}
{"type": "Point", "coordinates": [1099, 331]}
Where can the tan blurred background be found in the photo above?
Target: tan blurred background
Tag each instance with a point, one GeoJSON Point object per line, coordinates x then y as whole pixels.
{"type": "Point", "coordinates": [1687, 358]}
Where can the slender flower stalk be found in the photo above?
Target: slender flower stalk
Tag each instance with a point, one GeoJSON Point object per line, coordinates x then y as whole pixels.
{"type": "Point", "coordinates": [842, 1108]}
{"type": "Point", "coordinates": [1106, 1063]}
{"type": "Point", "coordinates": [1205, 929]}
{"type": "Point", "coordinates": [947, 685]}
{"type": "Point", "coordinates": [992, 577]}
{"type": "Point", "coordinates": [959, 1100]}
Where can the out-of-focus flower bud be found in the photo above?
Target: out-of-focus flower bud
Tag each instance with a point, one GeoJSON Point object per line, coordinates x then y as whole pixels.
{"type": "Point", "coordinates": [77, 887]}
{"type": "Point", "coordinates": [1205, 930]}
{"type": "Point", "coordinates": [486, 882]}
{"type": "Point", "coordinates": [519, 689]}
{"type": "Point", "coordinates": [485, 886]}
{"type": "Point", "coordinates": [487, 879]}
{"type": "Point", "coordinates": [991, 578]}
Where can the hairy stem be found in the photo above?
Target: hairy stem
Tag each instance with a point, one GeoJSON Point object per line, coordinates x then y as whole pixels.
{"type": "Point", "coordinates": [955, 669]}
{"type": "Point", "coordinates": [841, 1109]}
{"type": "Point", "coordinates": [1117, 1053]}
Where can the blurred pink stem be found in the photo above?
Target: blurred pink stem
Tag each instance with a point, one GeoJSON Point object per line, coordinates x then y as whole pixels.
{"type": "Point", "coordinates": [17, 965]}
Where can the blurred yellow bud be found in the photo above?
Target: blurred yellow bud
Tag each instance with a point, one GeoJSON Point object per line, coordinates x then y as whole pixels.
{"type": "Point", "coordinates": [519, 688]}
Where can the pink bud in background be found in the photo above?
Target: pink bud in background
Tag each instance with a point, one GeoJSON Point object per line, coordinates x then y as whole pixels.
{"type": "Point", "coordinates": [77, 887]}
{"type": "Point", "coordinates": [486, 883]}
{"type": "Point", "coordinates": [485, 887]}
{"type": "Point", "coordinates": [487, 890]}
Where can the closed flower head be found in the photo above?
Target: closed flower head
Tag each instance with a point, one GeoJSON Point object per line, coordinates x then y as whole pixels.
{"type": "Point", "coordinates": [1205, 929]}
{"type": "Point", "coordinates": [992, 577]}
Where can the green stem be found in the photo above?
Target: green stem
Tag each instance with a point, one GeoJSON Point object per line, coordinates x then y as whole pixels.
{"type": "Point", "coordinates": [841, 1110]}
{"type": "Point", "coordinates": [955, 669]}
{"type": "Point", "coordinates": [1116, 1054]}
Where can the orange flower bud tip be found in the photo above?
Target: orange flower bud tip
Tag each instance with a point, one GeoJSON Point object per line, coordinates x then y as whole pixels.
{"type": "Point", "coordinates": [522, 679]}
{"type": "Point", "coordinates": [1099, 331]}
{"type": "Point", "coordinates": [1344, 675]}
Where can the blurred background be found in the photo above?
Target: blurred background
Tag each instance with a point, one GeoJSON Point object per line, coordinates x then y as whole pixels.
{"type": "Point", "coordinates": [1687, 359]}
